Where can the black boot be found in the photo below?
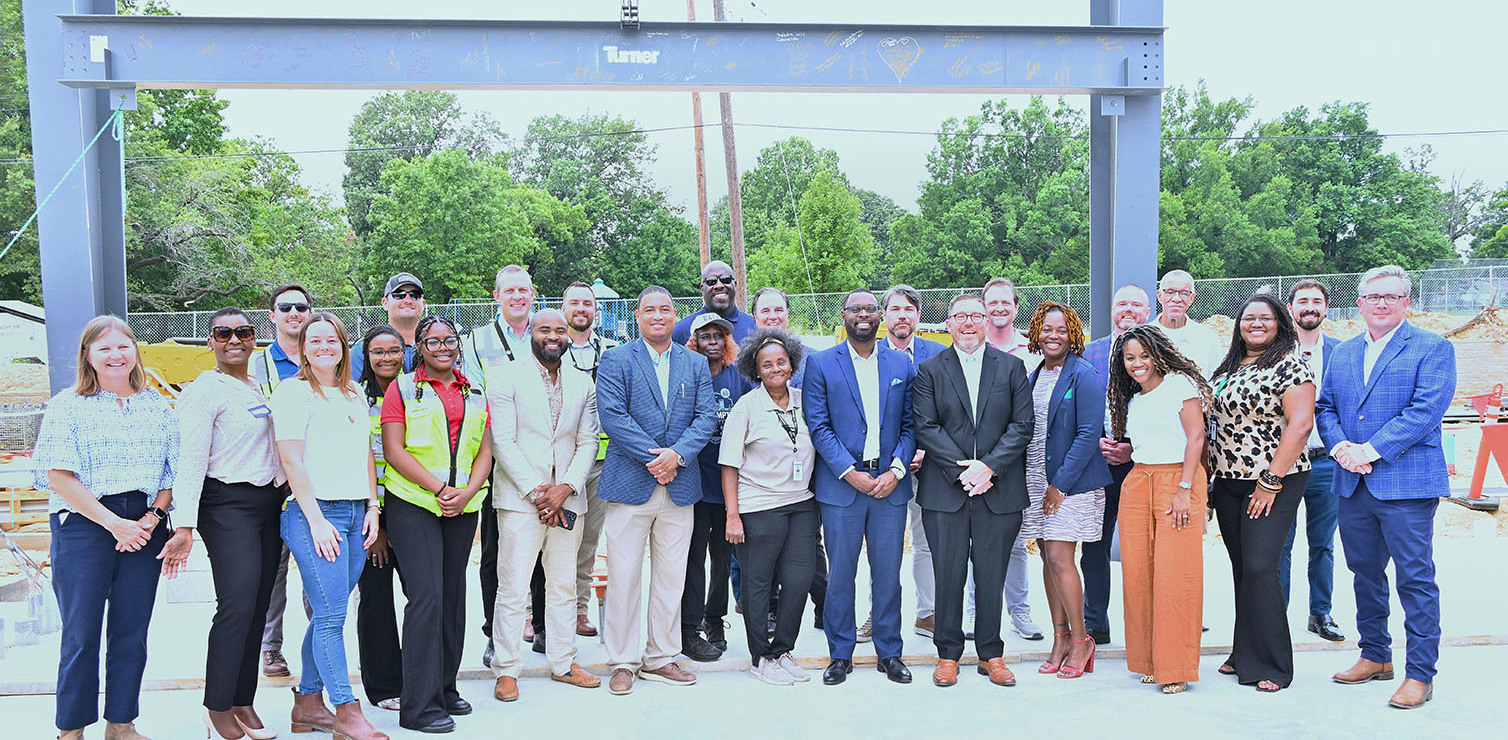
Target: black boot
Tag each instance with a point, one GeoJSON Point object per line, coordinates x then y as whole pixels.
{"type": "Point", "coordinates": [696, 648]}
{"type": "Point", "coordinates": [716, 635]}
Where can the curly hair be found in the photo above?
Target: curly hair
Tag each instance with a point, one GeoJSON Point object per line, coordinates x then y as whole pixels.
{"type": "Point", "coordinates": [748, 356]}
{"type": "Point", "coordinates": [1166, 360]}
{"type": "Point", "coordinates": [368, 379]}
{"type": "Point", "coordinates": [1070, 317]}
{"type": "Point", "coordinates": [1283, 344]}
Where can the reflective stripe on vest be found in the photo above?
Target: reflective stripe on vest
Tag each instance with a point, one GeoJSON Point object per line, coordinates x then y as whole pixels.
{"type": "Point", "coordinates": [265, 369]}
{"type": "Point", "coordinates": [428, 440]}
{"type": "Point", "coordinates": [374, 414]}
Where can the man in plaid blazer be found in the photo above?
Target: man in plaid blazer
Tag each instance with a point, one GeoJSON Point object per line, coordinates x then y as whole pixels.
{"type": "Point", "coordinates": [1384, 395]}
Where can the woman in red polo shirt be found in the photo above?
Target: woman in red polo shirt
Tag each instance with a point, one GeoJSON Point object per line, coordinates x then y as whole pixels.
{"type": "Point", "coordinates": [437, 439]}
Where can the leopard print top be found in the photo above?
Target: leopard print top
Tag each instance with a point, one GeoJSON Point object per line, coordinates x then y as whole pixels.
{"type": "Point", "coordinates": [1249, 418]}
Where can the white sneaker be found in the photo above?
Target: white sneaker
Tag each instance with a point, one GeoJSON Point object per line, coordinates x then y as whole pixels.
{"type": "Point", "coordinates": [769, 672]}
{"type": "Point", "coordinates": [796, 672]}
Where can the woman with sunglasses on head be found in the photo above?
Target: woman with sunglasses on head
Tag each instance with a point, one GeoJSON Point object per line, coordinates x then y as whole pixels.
{"type": "Point", "coordinates": [323, 439]}
{"type": "Point", "coordinates": [106, 454]}
{"type": "Point", "coordinates": [383, 352]}
{"type": "Point", "coordinates": [230, 486]}
{"type": "Point", "coordinates": [1159, 402]}
{"type": "Point", "coordinates": [437, 439]}
{"type": "Point", "coordinates": [1264, 409]}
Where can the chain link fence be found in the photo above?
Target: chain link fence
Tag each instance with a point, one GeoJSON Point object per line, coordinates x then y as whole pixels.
{"type": "Point", "coordinates": [1461, 290]}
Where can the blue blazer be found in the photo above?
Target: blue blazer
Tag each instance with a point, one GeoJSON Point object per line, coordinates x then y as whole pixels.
{"type": "Point", "coordinates": [1399, 412]}
{"type": "Point", "coordinates": [1075, 423]}
{"type": "Point", "coordinates": [635, 418]}
{"type": "Point", "coordinates": [835, 414]}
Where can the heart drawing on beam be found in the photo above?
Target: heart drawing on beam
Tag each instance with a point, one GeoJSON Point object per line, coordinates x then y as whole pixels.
{"type": "Point", "coordinates": [900, 54]}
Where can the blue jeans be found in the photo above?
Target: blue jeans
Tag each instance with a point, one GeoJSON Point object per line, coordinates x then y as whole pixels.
{"type": "Point", "coordinates": [1320, 508]}
{"type": "Point", "coordinates": [328, 586]}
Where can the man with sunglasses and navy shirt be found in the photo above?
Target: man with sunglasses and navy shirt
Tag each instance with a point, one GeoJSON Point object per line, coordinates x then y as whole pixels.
{"type": "Point", "coordinates": [718, 291]}
{"type": "Point", "coordinates": [403, 298]}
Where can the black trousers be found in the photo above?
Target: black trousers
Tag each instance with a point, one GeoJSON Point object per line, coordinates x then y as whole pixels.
{"type": "Point", "coordinates": [434, 551]}
{"type": "Point", "coordinates": [818, 591]}
{"type": "Point", "coordinates": [705, 597]}
{"type": "Point", "coordinates": [779, 549]}
{"type": "Point", "coordinates": [1261, 648]}
{"type": "Point", "coordinates": [377, 628]}
{"type": "Point", "coordinates": [239, 525]}
{"type": "Point", "coordinates": [488, 565]}
{"type": "Point", "coordinates": [88, 573]}
{"type": "Point", "coordinates": [537, 596]}
{"type": "Point", "coordinates": [1094, 557]}
{"type": "Point", "coordinates": [976, 535]}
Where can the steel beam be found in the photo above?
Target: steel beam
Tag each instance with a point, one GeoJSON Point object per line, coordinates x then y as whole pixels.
{"type": "Point", "coordinates": [1125, 155]}
{"type": "Point", "coordinates": [81, 230]}
{"type": "Point", "coordinates": [188, 52]}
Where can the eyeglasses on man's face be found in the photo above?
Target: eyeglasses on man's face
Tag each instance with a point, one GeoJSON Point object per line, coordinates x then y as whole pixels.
{"type": "Point", "coordinates": [293, 308]}
{"type": "Point", "coordinates": [242, 332]}
{"type": "Point", "coordinates": [415, 294]}
{"type": "Point", "coordinates": [862, 308]}
{"type": "Point", "coordinates": [716, 279]}
{"type": "Point", "coordinates": [967, 318]}
{"type": "Point", "coordinates": [1171, 293]}
{"type": "Point", "coordinates": [1377, 299]}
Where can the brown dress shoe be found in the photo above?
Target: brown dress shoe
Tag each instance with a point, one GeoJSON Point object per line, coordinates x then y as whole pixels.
{"type": "Point", "coordinates": [925, 626]}
{"type": "Point", "coordinates": [671, 673]}
{"type": "Point", "coordinates": [351, 724]}
{"type": "Point", "coordinates": [946, 673]}
{"type": "Point", "coordinates": [998, 673]}
{"type": "Point", "coordinates": [622, 682]}
{"type": "Point", "coordinates": [1412, 694]}
{"type": "Point", "coordinates": [578, 676]}
{"type": "Point", "coordinates": [584, 626]}
{"type": "Point", "coordinates": [1364, 671]}
{"type": "Point", "coordinates": [506, 689]}
{"type": "Point", "coordinates": [274, 665]}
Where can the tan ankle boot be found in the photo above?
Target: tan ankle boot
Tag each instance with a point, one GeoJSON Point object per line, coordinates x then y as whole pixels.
{"type": "Point", "coordinates": [351, 724]}
{"type": "Point", "coordinates": [121, 731]}
{"type": "Point", "coordinates": [71, 734]}
{"type": "Point", "coordinates": [310, 713]}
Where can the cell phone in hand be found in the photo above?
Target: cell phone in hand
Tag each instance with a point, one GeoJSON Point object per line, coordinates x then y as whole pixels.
{"type": "Point", "coordinates": [570, 519]}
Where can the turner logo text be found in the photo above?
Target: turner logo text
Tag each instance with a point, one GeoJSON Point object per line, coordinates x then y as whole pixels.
{"type": "Point", "coordinates": [615, 56]}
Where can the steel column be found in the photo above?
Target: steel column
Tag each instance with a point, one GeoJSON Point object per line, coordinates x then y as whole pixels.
{"type": "Point", "coordinates": [81, 231]}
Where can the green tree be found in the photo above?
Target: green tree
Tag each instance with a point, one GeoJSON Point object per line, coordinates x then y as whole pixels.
{"type": "Point", "coordinates": [1490, 238]}
{"type": "Point", "coordinates": [831, 251]}
{"type": "Point", "coordinates": [453, 220]}
{"type": "Point", "coordinates": [406, 125]}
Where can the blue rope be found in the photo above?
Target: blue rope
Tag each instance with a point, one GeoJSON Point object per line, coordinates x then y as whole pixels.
{"type": "Point", "coordinates": [116, 128]}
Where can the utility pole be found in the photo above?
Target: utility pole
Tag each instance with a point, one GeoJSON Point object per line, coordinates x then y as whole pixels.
{"type": "Point", "coordinates": [735, 201]}
{"type": "Point", "coordinates": [702, 229]}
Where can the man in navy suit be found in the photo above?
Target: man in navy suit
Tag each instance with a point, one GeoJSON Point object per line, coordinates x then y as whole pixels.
{"type": "Point", "coordinates": [1309, 304]}
{"type": "Point", "coordinates": [858, 406]}
{"type": "Point", "coordinates": [1381, 402]}
{"type": "Point", "coordinates": [903, 306]}
{"type": "Point", "coordinates": [655, 402]}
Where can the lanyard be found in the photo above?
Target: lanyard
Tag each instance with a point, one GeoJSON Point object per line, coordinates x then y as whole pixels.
{"type": "Point", "coordinates": [504, 339]}
{"type": "Point", "coordinates": [792, 427]}
{"type": "Point", "coordinates": [596, 359]}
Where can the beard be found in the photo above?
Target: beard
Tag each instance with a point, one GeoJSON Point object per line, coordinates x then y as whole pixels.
{"type": "Point", "coordinates": [551, 352]}
{"type": "Point", "coordinates": [1308, 323]}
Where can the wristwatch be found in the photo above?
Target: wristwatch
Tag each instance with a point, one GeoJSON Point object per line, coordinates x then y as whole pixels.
{"type": "Point", "coordinates": [1185, 485]}
{"type": "Point", "coordinates": [157, 512]}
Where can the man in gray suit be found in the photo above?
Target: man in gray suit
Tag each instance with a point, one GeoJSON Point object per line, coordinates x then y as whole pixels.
{"type": "Point", "coordinates": [655, 401]}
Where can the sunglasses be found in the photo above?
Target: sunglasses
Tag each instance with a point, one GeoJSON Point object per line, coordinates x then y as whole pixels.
{"type": "Point", "coordinates": [224, 333]}
{"type": "Point", "coordinates": [403, 294]}
{"type": "Point", "coordinates": [293, 308]}
{"type": "Point", "coordinates": [724, 279]}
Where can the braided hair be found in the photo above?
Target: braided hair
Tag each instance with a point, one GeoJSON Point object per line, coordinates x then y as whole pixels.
{"type": "Point", "coordinates": [1284, 341]}
{"type": "Point", "coordinates": [1070, 321]}
{"type": "Point", "coordinates": [1166, 360]}
{"type": "Point", "coordinates": [421, 332]}
{"type": "Point", "coordinates": [368, 379]}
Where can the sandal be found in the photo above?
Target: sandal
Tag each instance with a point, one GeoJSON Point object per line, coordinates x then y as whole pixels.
{"type": "Point", "coordinates": [1268, 687]}
{"type": "Point", "coordinates": [391, 705]}
{"type": "Point", "coordinates": [1148, 679]}
{"type": "Point", "coordinates": [1049, 666]}
{"type": "Point", "coordinates": [1175, 688]}
{"type": "Point", "coordinates": [1226, 669]}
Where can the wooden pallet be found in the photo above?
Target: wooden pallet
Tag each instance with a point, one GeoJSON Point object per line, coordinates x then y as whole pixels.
{"type": "Point", "coordinates": [23, 506]}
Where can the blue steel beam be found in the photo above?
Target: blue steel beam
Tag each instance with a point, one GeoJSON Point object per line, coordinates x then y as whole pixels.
{"type": "Point", "coordinates": [190, 52]}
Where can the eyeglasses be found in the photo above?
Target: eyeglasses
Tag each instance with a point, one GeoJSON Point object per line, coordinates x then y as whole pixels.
{"type": "Point", "coordinates": [223, 334]}
{"type": "Point", "coordinates": [863, 308]}
{"type": "Point", "coordinates": [714, 280]}
{"type": "Point", "coordinates": [966, 318]}
{"type": "Point", "coordinates": [415, 294]}
{"type": "Point", "coordinates": [1184, 294]}
{"type": "Point", "coordinates": [293, 308]}
{"type": "Point", "coordinates": [382, 353]}
{"type": "Point", "coordinates": [1258, 320]}
{"type": "Point", "coordinates": [434, 343]}
{"type": "Point", "coordinates": [1375, 299]}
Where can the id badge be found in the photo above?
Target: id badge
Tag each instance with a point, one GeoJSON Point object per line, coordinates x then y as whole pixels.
{"type": "Point", "coordinates": [260, 411]}
{"type": "Point", "coordinates": [796, 469]}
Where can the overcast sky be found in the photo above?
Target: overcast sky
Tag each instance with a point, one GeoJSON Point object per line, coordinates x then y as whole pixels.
{"type": "Point", "coordinates": [1422, 67]}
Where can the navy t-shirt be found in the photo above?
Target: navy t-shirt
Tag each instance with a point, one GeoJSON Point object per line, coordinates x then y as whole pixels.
{"type": "Point", "coordinates": [727, 387]}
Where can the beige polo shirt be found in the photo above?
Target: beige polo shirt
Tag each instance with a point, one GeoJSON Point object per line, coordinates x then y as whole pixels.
{"type": "Point", "coordinates": [772, 471]}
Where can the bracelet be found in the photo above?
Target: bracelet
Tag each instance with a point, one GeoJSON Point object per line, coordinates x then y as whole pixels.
{"type": "Point", "coordinates": [1269, 478]}
{"type": "Point", "coordinates": [1264, 485]}
{"type": "Point", "coordinates": [374, 505]}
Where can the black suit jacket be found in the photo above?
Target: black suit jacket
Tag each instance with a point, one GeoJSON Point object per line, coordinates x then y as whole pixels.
{"type": "Point", "coordinates": [947, 430]}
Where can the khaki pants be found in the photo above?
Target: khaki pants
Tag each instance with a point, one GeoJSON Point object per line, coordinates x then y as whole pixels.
{"type": "Point", "coordinates": [521, 541]}
{"type": "Point", "coordinates": [590, 525]}
{"type": "Point", "coordinates": [666, 528]}
{"type": "Point", "coordinates": [1162, 572]}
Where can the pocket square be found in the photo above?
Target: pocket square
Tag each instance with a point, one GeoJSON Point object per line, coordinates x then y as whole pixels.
{"type": "Point", "coordinates": [895, 381]}
{"type": "Point", "coordinates": [1068, 395]}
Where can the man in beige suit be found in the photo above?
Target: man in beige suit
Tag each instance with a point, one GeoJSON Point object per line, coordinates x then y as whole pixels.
{"type": "Point", "coordinates": [545, 441]}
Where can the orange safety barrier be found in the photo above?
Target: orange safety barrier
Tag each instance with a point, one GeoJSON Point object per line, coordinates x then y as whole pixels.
{"type": "Point", "coordinates": [1494, 444]}
{"type": "Point", "coordinates": [1489, 406]}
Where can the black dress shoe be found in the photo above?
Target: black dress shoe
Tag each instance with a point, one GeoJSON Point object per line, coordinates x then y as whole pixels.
{"type": "Point", "coordinates": [487, 655]}
{"type": "Point", "coordinates": [769, 626]}
{"type": "Point", "coordinates": [539, 642]}
{"type": "Point", "coordinates": [716, 633]}
{"type": "Point", "coordinates": [894, 670]}
{"type": "Point", "coordinates": [1324, 626]}
{"type": "Point", "coordinates": [817, 623]}
{"type": "Point", "coordinates": [837, 671]}
{"type": "Point", "coordinates": [458, 708]}
{"type": "Point", "coordinates": [437, 727]}
{"type": "Point", "coordinates": [698, 649]}
{"type": "Point", "coordinates": [1100, 638]}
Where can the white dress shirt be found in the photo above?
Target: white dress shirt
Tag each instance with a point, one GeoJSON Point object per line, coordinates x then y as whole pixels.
{"type": "Point", "coordinates": [1373, 351]}
{"type": "Point", "coordinates": [1316, 359]}
{"type": "Point", "coordinates": [972, 365]}
{"type": "Point", "coordinates": [909, 350]}
{"type": "Point", "coordinates": [867, 373]}
{"type": "Point", "coordinates": [662, 370]}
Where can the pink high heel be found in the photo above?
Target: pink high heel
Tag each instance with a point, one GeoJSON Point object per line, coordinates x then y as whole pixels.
{"type": "Point", "coordinates": [1068, 671]}
{"type": "Point", "coordinates": [1049, 666]}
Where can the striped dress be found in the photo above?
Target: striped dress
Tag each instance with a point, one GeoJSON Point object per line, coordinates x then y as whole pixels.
{"type": "Point", "coordinates": [1081, 516]}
